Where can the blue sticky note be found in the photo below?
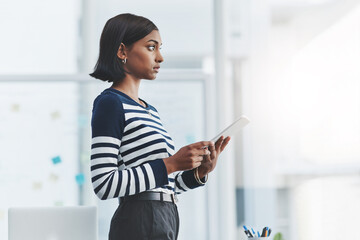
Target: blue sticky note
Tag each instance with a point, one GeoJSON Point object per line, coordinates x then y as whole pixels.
{"type": "Point", "coordinates": [190, 138]}
{"type": "Point", "coordinates": [56, 160]}
{"type": "Point", "coordinates": [59, 203]}
{"type": "Point", "coordinates": [83, 120]}
{"type": "Point", "coordinates": [80, 178]}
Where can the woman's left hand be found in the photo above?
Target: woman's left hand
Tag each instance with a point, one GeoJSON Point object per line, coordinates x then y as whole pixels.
{"type": "Point", "coordinates": [209, 162]}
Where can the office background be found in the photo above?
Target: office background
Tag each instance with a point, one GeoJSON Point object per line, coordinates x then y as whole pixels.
{"type": "Point", "coordinates": [291, 66]}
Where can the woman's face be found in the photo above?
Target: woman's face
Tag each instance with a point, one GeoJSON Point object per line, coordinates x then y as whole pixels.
{"type": "Point", "coordinates": [144, 57]}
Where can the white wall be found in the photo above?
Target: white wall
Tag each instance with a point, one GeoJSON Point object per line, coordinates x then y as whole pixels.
{"type": "Point", "coordinates": [39, 37]}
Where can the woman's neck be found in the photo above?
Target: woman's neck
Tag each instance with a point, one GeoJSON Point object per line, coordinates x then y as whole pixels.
{"type": "Point", "coordinates": [130, 87]}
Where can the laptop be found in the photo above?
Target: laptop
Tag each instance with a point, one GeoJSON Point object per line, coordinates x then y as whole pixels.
{"type": "Point", "coordinates": [53, 223]}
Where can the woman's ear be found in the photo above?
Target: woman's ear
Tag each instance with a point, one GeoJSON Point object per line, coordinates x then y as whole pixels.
{"type": "Point", "coordinates": [121, 53]}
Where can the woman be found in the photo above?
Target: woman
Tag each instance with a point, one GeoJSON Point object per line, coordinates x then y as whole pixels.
{"type": "Point", "coordinates": [132, 155]}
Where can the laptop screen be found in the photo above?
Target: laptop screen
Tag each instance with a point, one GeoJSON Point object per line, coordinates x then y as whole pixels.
{"type": "Point", "coordinates": [53, 223]}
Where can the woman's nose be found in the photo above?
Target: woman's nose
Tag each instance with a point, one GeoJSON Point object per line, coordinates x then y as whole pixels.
{"type": "Point", "coordinates": [159, 58]}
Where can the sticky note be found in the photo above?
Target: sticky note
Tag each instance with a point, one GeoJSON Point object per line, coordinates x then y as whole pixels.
{"type": "Point", "coordinates": [56, 160]}
{"type": "Point", "coordinates": [15, 107]}
{"type": "Point", "coordinates": [80, 179]}
{"type": "Point", "coordinates": [55, 115]}
{"type": "Point", "coordinates": [37, 185]}
{"type": "Point", "coordinates": [59, 203]}
{"type": "Point", "coordinates": [53, 177]}
{"type": "Point", "coordinates": [85, 158]}
{"type": "Point", "coordinates": [83, 120]}
{"type": "Point", "coordinates": [190, 138]}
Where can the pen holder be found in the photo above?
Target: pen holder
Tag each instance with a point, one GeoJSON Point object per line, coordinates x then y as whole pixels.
{"type": "Point", "coordinates": [258, 238]}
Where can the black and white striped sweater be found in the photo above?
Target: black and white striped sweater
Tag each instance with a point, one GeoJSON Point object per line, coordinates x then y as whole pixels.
{"type": "Point", "coordinates": [129, 144]}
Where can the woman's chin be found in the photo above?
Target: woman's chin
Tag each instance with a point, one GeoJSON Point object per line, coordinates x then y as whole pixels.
{"type": "Point", "coordinates": [152, 77]}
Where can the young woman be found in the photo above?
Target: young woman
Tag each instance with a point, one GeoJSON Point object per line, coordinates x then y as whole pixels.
{"type": "Point", "coordinates": [132, 155]}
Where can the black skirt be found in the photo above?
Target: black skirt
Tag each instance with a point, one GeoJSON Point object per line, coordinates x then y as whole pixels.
{"type": "Point", "coordinates": [145, 220]}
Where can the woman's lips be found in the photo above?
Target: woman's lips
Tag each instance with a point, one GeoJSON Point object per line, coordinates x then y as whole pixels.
{"type": "Point", "coordinates": [156, 69]}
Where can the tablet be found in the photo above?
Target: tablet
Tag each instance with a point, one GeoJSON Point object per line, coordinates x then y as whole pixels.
{"type": "Point", "coordinates": [233, 128]}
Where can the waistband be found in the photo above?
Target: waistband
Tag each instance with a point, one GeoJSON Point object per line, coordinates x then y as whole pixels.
{"type": "Point", "coordinates": [152, 196]}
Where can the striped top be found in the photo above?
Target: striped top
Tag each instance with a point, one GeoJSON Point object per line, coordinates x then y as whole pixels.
{"type": "Point", "coordinates": [129, 144]}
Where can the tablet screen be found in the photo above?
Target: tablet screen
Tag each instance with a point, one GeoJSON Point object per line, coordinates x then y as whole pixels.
{"type": "Point", "coordinates": [233, 128]}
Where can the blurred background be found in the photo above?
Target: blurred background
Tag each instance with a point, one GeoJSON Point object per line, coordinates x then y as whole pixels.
{"type": "Point", "coordinates": [291, 66]}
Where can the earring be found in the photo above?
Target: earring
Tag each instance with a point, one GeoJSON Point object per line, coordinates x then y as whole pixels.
{"type": "Point", "coordinates": [123, 61]}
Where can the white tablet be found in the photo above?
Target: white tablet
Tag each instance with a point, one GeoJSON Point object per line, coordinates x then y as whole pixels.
{"type": "Point", "coordinates": [233, 128]}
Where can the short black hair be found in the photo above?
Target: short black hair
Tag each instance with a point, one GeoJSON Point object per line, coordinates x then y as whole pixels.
{"type": "Point", "coordinates": [124, 28]}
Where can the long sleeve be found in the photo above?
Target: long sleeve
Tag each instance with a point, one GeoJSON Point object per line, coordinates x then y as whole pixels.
{"type": "Point", "coordinates": [108, 180]}
{"type": "Point", "coordinates": [185, 181]}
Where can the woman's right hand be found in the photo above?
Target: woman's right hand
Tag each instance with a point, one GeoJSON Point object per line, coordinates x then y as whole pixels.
{"type": "Point", "coordinates": [188, 157]}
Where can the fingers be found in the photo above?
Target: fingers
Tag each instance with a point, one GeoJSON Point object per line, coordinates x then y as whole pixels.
{"type": "Point", "coordinates": [202, 151]}
{"type": "Point", "coordinates": [224, 143]}
{"type": "Point", "coordinates": [221, 144]}
{"type": "Point", "coordinates": [218, 143]}
{"type": "Point", "coordinates": [207, 158]}
{"type": "Point", "coordinates": [202, 144]}
{"type": "Point", "coordinates": [198, 161]}
{"type": "Point", "coordinates": [211, 148]}
{"type": "Point", "coordinates": [207, 152]}
{"type": "Point", "coordinates": [198, 164]}
{"type": "Point", "coordinates": [213, 152]}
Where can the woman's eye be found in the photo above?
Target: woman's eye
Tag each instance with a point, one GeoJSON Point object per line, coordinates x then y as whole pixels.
{"type": "Point", "coordinates": [151, 48]}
